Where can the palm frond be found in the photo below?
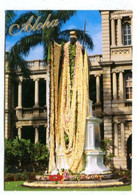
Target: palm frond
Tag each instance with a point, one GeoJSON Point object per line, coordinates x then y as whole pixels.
{"type": "Point", "coordinates": [23, 46]}
{"type": "Point", "coordinates": [17, 62]}
{"type": "Point", "coordinates": [45, 46]}
{"type": "Point", "coordinates": [44, 14]}
{"type": "Point", "coordinates": [88, 40]}
{"type": "Point", "coordinates": [64, 15]}
{"type": "Point", "coordinates": [24, 17]}
{"type": "Point", "coordinates": [20, 49]}
{"type": "Point", "coordinates": [9, 16]}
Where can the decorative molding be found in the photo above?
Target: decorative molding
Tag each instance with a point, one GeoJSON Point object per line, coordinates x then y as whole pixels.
{"type": "Point", "coordinates": [113, 18]}
{"type": "Point", "coordinates": [97, 75]}
{"type": "Point", "coordinates": [36, 126]}
{"type": "Point", "coordinates": [121, 71]}
{"type": "Point", "coordinates": [35, 79]}
{"type": "Point", "coordinates": [121, 121]}
{"type": "Point", "coordinates": [20, 79]}
{"type": "Point", "coordinates": [122, 12]}
{"type": "Point", "coordinates": [119, 17]}
{"type": "Point", "coordinates": [40, 76]}
{"type": "Point", "coordinates": [18, 126]}
{"type": "Point", "coordinates": [115, 121]}
{"type": "Point", "coordinates": [120, 51]}
{"type": "Point", "coordinates": [115, 71]}
{"type": "Point", "coordinates": [124, 63]}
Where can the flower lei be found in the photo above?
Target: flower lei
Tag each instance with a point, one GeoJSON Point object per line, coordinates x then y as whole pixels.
{"type": "Point", "coordinates": [69, 108]}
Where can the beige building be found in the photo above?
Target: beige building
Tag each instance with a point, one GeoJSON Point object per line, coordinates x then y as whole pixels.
{"type": "Point", "coordinates": [110, 90]}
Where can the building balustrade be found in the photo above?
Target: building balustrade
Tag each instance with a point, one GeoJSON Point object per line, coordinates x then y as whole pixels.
{"type": "Point", "coordinates": [27, 111]}
{"type": "Point", "coordinates": [41, 64]}
{"type": "Point", "coordinates": [36, 64]}
{"type": "Point", "coordinates": [31, 113]}
{"type": "Point", "coordinates": [95, 59]}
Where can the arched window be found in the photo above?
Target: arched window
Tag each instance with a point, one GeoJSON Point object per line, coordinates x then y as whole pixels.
{"type": "Point", "coordinates": [128, 87]}
{"type": "Point", "coordinates": [127, 34]}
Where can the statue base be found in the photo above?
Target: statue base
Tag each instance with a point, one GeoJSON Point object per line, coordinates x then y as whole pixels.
{"type": "Point", "coordinates": [94, 164]}
{"type": "Point", "coordinates": [61, 162]}
{"type": "Point", "coordinates": [94, 155]}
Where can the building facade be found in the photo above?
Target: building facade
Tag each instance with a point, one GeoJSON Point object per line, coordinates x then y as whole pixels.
{"type": "Point", "coordinates": [110, 89]}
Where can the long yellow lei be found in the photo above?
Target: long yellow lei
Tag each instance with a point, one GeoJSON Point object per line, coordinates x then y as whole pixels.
{"type": "Point", "coordinates": [69, 118]}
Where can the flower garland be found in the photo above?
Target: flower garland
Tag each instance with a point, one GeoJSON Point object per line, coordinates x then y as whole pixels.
{"type": "Point", "coordinates": [52, 133]}
{"type": "Point", "coordinates": [69, 107]}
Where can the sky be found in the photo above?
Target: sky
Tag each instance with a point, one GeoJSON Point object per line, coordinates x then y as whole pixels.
{"type": "Point", "coordinates": [93, 28]}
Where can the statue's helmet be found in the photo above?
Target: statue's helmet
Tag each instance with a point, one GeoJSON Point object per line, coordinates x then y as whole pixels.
{"type": "Point", "coordinates": [73, 34]}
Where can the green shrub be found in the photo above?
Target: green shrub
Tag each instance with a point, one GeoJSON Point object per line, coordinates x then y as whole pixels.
{"type": "Point", "coordinates": [105, 147]}
{"type": "Point", "coordinates": [21, 155]}
{"type": "Point", "coordinates": [11, 163]}
{"type": "Point", "coordinates": [39, 157]}
{"type": "Point", "coordinates": [9, 177]}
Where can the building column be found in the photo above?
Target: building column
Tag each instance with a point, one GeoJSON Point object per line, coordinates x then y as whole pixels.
{"type": "Point", "coordinates": [46, 91]}
{"type": "Point", "coordinates": [97, 89]}
{"type": "Point", "coordinates": [122, 139]}
{"type": "Point", "coordinates": [121, 85]}
{"type": "Point", "coordinates": [113, 36]}
{"type": "Point", "coordinates": [12, 95]}
{"type": "Point", "coordinates": [36, 134]}
{"type": "Point", "coordinates": [36, 92]}
{"type": "Point", "coordinates": [19, 132]}
{"type": "Point", "coordinates": [114, 86]}
{"type": "Point", "coordinates": [131, 28]}
{"type": "Point", "coordinates": [115, 140]}
{"type": "Point", "coordinates": [20, 94]}
{"type": "Point", "coordinates": [119, 31]}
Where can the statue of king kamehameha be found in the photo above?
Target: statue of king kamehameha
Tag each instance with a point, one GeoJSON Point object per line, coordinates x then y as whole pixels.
{"type": "Point", "coordinates": [68, 105]}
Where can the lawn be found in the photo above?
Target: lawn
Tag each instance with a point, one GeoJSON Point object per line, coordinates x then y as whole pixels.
{"type": "Point", "coordinates": [17, 186]}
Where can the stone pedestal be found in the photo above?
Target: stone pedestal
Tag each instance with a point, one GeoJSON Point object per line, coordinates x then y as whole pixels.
{"type": "Point", "coordinates": [94, 155]}
{"type": "Point", "coordinates": [95, 164]}
{"type": "Point", "coordinates": [60, 161]}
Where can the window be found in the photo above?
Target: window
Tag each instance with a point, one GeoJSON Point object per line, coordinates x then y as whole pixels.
{"type": "Point", "coordinates": [128, 87]}
{"type": "Point", "coordinates": [127, 34]}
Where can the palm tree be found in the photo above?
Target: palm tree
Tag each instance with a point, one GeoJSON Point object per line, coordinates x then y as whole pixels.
{"type": "Point", "coordinates": [9, 16]}
{"type": "Point", "coordinates": [23, 46]}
